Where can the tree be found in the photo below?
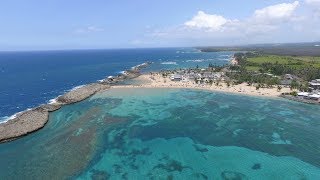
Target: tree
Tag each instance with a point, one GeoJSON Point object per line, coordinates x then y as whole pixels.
{"type": "Point", "coordinates": [228, 83]}
{"type": "Point", "coordinates": [279, 88]}
{"type": "Point", "coordinates": [294, 85]}
{"type": "Point", "coordinates": [210, 82]}
{"type": "Point", "coordinates": [294, 93]}
{"type": "Point", "coordinates": [258, 86]}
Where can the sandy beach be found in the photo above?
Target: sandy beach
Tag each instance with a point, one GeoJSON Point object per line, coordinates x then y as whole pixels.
{"type": "Point", "coordinates": [157, 81]}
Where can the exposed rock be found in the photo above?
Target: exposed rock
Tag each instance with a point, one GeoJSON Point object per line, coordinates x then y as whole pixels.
{"type": "Point", "coordinates": [31, 120]}
{"type": "Point", "coordinates": [51, 107]}
{"type": "Point", "coordinates": [81, 93]}
{"type": "Point", "coordinates": [24, 123]}
{"type": "Point", "coordinates": [128, 74]}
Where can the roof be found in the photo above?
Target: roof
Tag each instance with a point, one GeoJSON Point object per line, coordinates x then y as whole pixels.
{"type": "Point", "coordinates": [303, 94]}
{"type": "Point", "coordinates": [176, 76]}
{"type": "Point", "coordinates": [314, 96]}
{"type": "Point", "coordinates": [314, 83]}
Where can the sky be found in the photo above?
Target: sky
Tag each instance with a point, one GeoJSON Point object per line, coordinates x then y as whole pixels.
{"type": "Point", "coordinates": [84, 24]}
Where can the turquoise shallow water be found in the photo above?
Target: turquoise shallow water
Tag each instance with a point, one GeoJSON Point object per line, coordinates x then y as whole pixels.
{"type": "Point", "coordinates": [170, 134]}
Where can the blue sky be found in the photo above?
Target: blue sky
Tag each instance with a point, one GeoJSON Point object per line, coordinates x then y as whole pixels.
{"type": "Point", "coordinates": [83, 24]}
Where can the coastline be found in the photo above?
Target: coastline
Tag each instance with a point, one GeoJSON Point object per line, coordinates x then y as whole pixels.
{"type": "Point", "coordinates": [31, 120]}
{"type": "Point", "coordinates": [157, 81]}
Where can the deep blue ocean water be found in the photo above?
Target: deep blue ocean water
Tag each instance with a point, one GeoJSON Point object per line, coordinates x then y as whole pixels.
{"type": "Point", "coordinates": [31, 78]}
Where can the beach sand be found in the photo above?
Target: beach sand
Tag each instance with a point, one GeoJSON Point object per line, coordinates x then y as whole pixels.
{"type": "Point", "coordinates": [157, 81]}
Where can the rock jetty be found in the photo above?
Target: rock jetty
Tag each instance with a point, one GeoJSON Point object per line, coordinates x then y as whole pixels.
{"type": "Point", "coordinates": [34, 119]}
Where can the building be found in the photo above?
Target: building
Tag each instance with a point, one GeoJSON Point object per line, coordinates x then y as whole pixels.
{"type": "Point", "coordinates": [176, 77]}
{"type": "Point", "coordinates": [315, 97]}
{"type": "Point", "coordinates": [287, 79]}
{"type": "Point", "coordinates": [303, 94]}
{"type": "Point", "coordinates": [315, 84]}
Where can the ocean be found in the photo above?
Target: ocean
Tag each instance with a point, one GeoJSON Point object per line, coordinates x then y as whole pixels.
{"type": "Point", "coordinates": [149, 133]}
{"type": "Point", "coordinates": [29, 79]}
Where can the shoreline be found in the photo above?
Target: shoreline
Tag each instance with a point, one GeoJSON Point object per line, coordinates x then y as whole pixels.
{"type": "Point", "coordinates": [31, 120]}
{"type": "Point", "coordinates": [192, 88]}
{"type": "Point", "coordinates": [156, 81]}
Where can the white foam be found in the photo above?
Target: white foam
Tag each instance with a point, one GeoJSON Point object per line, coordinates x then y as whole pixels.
{"type": "Point", "coordinates": [4, 119]}
{"type": "Point", "coordinates": [8, 118]}
{"type": "Point", "coordinates": [317, 45]}
{"type": "Point", "coordinates": [224, 55]}
{"type": "Point", "coordinates": [169, 63]}
{"type": "Point", "coordinates": [224, 59]}
{"type": "Point", "coordinates": [143, 64]}
{"type": "Point", "coordinates": [196, 60]}
{"type": "Point", "coordinates": [77, 87]}
{"type": "Point", "coordinates": [123, 72]}
{"type": "Point", "coordinates": [53, 101]}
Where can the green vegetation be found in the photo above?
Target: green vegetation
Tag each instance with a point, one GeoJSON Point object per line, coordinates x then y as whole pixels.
{"type": "Point", "coordinates": [306, 68]}
{"type": "Point", "coordinates": [268, 70]}
{"type": "Point", "coordinates": [291, 49]}
{"type": "Point", "coordinates": [293, 62]}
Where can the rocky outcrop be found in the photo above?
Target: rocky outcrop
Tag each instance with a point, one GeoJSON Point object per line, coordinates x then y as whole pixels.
{"type": "Point", "coordinates": [51, 107]}
{"type": "Point", "coordinates": [31, 120]}
{"type": "Point", "coordinates": [81, 93]}
{"type": "Point", "coordinates": [299, 99]}
{"type": "Point", "coordinates": [34, 119]}
{"type": "Point", "coordinates": [128, 74]}
{"type": "Point", "coordinates": [24, 123]}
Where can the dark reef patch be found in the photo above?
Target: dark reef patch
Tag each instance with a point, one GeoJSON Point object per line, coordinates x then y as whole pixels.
{"type": "Point", "coordinates": [256, 166]}
{"type": "Point", "coordinates": [200, 176]}
{"type": "Point", "coordinates": [172, 166]}
{"type": "Point", "coordinates": [99, 175]}
{"type": "Point", "coordinates": [200, 149]}
{"type": "Point", "coordinates": [232, 175]}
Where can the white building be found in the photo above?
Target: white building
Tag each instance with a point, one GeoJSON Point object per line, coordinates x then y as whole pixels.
{"type": "Point", "coordinates": [315, 84]}
{"type": "Point", "coordinates": [176, 77]}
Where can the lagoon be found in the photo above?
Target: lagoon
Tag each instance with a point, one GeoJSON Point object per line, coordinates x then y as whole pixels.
{"type": "Point", "coordinates": [146, 133]}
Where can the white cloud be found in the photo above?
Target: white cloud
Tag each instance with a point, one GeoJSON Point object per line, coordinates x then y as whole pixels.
{"type": "Point", "coordinates": [89, 29]}
{"type": "Point", "coordinates": [276, 13]}
{"type": "Point", "coordinates": [275, 23]}
{"type": "Point", "coordinates": [313, 2]}
{"type": "Point", "coordinates": [315, 6]}
{"type": "Point", "coordinates": [207, 21]}
{"type": "Point", "coordinates": [262, 20]}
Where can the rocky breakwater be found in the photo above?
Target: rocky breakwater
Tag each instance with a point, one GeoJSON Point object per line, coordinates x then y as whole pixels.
{"type": "Point", "coordinates": [128, 74]}
{"type": "Point", "coordinates": [34, 119]}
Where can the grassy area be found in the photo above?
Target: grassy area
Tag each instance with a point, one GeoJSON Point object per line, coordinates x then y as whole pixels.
{"type": "Point", "coordinates": [294, 62]}
{"type": "Point", "coordinates": [252, 68]}
{"type": "Point", "coordinates": [308, 58]}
